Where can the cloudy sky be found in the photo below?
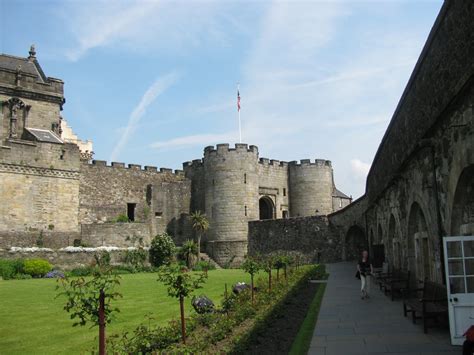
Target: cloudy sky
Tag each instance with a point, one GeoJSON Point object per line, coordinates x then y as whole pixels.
{"type": "Point", "coordinates": [153, 82]}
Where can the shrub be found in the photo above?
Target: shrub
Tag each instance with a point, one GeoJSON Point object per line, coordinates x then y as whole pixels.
{"type": "Point", "coordinates": [188, 252]}
{"type": "Point", "coordinates": [203, 265]}
{"type": "Point", "coordinates": [10, 268]}
{"type": "Point", "coordinates": [122, 219]}
{"type": "Point", "coordinates": [81, 271]}
{"type": "Point", "coordinates": [37, 267]}
{"type": "Point", "coordinates": [162, 249]}
{"type": "Point", "coordinates": [135, 258]}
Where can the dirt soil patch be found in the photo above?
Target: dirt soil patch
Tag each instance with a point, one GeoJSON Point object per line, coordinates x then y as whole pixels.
{"type": "Point", "coordinates": [281, 331]}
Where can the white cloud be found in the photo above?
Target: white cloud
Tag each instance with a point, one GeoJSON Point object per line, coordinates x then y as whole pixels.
{"type": "Point", "coordinates": [359, 169]}
{"type": "Point", "coordinates": [156, 89]}
{"type": "Point", "coordinates": [199, 140]}
{"type": "Point", "coordinates": [145, 25]}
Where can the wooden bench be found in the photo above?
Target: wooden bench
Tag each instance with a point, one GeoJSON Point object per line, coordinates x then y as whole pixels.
{"type": "Point", "coordinates": [431, 304]}
{"type": "Point", "coordinates": [398, 282]}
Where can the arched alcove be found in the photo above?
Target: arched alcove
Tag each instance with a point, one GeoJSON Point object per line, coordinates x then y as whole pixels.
{"type": "Point", "coordinates": [418, 256]}
{"type": "Point", "coordinates": [395, 251]}
{"type": "Point", "coordinates": [462, 217]}
{"type": "Point", "coordinates": [266, 208]}
{"type": "Point", "coordinates": [356, 242]}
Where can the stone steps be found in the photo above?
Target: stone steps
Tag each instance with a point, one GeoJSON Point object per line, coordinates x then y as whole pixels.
{"type": "Point", "coordinates": [205, 257]}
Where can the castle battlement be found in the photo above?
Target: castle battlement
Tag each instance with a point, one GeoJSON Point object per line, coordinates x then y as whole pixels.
{"type": "Point", "coordinates": [147, 168]}
{"type": "Point", "coordinates": [224, 148]}
{"type": "Point", "coordinates": [306, 162]}
{"type": "Point", "coordinates": [272, 162]}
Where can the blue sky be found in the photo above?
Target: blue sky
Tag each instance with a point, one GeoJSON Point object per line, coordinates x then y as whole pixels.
{"type": "Point", "coordinates": [154, 82]}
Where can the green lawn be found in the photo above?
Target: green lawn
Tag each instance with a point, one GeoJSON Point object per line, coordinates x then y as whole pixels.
{"type": "Point", "coordinates": [33, 322]}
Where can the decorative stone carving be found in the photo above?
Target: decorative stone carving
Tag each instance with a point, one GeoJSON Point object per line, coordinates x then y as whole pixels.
{"type": "Point", "coordinates": [15, 104]}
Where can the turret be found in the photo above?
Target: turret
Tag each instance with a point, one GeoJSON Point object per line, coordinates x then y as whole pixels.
{"type": "Point", "coordinates": [311, 187]}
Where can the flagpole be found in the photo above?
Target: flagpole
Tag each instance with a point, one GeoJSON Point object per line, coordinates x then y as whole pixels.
{"type": "Point", "coordinates": [240, 126]}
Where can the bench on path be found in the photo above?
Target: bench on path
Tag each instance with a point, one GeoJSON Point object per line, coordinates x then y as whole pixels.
{"type": "Point", "coordinates": [398, 282]}
{"type": "Point", "coordinates": [429, 302]}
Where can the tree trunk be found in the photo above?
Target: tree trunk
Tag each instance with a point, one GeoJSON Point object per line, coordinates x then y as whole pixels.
{"type": "Point", "coordinates": [101, 323]}
{"type": "Point", "coordinates": [199, 246]}
{"type": "Point", "coordinates": [270, 280]}
{"type": "Point", "coordinates": [251, 285]}
{"type": "Point", "coordinates": [183, 324]}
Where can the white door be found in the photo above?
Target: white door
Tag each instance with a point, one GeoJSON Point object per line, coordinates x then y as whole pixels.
{"type": "Point", "coordinates": [459, 266]}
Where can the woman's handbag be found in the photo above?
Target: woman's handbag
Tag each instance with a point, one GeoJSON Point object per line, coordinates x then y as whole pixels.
{"type": "Point", "coordinates": [358, 274]}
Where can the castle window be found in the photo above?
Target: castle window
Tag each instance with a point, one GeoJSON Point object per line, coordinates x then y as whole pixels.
{"type": "Point", "coordinates": [158, 214]}
{"type": "Point", "coordinates": [340, 203]}
{"type": "Point", "coordinates": [131, 211]}
{"type": "Point", "coordinates": [246, 211]}
{"type": "Point", "coordinates": [245, 178]}
{"type": "Point", "coordinates": [61, 156]}
{"type": "Point", "coordinates": [285, 214]}
{"type": "Point", "coordinates": [284, 192]}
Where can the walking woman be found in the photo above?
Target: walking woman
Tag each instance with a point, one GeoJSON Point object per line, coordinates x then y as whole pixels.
{"type": "Point", "coordinates": [365, 270]}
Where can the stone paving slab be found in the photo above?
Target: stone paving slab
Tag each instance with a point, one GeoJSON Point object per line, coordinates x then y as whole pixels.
{"type": "Point", "coordinates": [348, 325]}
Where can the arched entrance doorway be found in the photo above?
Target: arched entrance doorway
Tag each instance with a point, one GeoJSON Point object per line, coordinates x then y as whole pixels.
{"type": "Point", "coordinates": [356, 242]}
{"type": "Point", "coordinates": [266, 208]}
{"type": "Point", "coordinates": [462, 217]}
{"type": "Point", "coordinates": [419, 250]}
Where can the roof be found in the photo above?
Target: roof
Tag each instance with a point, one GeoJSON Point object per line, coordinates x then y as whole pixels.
{"type": "Point", "coordinates": [337, 193]}
{"type": "Point", "coordinates": [27, 66]}
{"type": "Point", "coordinates": [44, 135]}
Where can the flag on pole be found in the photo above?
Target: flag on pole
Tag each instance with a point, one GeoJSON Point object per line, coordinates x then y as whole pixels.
{"type": "Point", "coordinates": [238, 100]}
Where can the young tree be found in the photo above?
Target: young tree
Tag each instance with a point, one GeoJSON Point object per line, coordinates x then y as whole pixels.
{"type": "Point", "coordinates": [267, 265]}
{"type": "Point", "coordinates": [279, 264]}
{"type": "Point", "coordinates": [89, 300]}
{"type": "Point", "coordinates": [200, 225]}
{"type": "Point", "coordinates": [181, 284]}
{"type": "Point", "coordinates": [251, 266]}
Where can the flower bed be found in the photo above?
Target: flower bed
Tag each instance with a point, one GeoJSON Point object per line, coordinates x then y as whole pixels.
{"type": "Point", "coordinates": [230, 328]}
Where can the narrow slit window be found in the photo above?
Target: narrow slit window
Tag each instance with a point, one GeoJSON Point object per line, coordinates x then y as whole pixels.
{"type": "Point", "coordinates": [246, 211]}
{"type": "Point", "coordinates": [284, 192]}
{"type": "Point", "coordinates": [245, 178]}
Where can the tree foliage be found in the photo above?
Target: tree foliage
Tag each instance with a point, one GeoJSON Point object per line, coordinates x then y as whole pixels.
{"type": "Point", "coordinates": [162, 249]}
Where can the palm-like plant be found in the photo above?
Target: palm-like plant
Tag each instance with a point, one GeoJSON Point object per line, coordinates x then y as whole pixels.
{"type": "Point", "coordinates": [188, 249]}
{"type": "Point", "coordinates": [200, 225]}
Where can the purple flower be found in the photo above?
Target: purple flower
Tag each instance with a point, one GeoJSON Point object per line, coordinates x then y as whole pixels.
{"type": "Point", "coordinates": [54, 274]}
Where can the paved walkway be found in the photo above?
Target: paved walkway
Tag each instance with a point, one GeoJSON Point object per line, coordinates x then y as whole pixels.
{"type": "Point", "coordinates": [348, 325]}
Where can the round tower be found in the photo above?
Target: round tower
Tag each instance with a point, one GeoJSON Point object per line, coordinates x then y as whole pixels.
{"type": "Point", "coordinates": [231, 199]}
{"type": "Point", "coordinates": [311, 187]}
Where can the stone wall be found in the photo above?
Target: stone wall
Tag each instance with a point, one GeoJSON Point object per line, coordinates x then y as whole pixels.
{"type": "Point", "coordinates": [311, 187]}
{"type": "Point", "coordinates": [40, 193]}
{"type": "Point", "coordinates": [312, 238]}
{"type": "Point", "coordinates": [161, 197]}
{"type": "Point", "coordinates": [273, 183]}
{"type": "Point", "coordinates": [115, 234]}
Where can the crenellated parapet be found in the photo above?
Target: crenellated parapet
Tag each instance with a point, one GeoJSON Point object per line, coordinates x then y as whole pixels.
{"type": "Point", "coordinates": [224, 148]}
{"type": "Point", "coordinates": [316, 162]}
{"type": "Point", "coordinates": [137, 167]}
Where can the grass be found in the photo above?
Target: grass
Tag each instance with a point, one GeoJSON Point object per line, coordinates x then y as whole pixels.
{"type": "Point", "coordinates": [303, 338]}
{"type": "Point", "coordinates": [32, 321]}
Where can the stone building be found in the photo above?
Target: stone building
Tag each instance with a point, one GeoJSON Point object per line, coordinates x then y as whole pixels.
{"type": "Point", "coordinates": [54, 195]}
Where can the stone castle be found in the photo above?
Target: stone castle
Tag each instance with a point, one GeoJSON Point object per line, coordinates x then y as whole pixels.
{"type": "Point", "coordinates": [54, 195]}
{"type": "Point", "coordinates": [419, 189]}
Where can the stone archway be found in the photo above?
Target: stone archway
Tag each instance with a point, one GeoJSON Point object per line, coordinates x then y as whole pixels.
{"type": "Point", "coordinates": [394, 242]}
{"type": "Point", "coordinates": [420, 262]}
{"type": "Point", "coordinates": [462, 216]}
{"type": "Point", "coordinates": [356, 242]}
{"type": "Point", "coordinates": [266, 208]}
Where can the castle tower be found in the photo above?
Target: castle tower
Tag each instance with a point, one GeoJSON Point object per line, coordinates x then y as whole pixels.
{"type": "Point", "coordinates": [311, 188]}
{"type": "Point", "coordinates": [231, 199]}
